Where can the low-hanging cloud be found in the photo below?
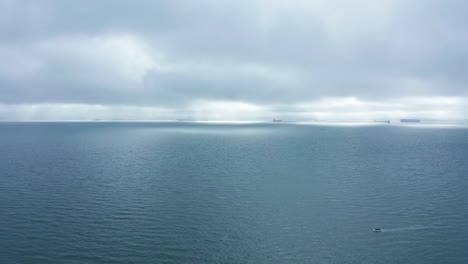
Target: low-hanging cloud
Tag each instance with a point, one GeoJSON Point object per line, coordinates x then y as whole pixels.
{"type": "Point", "coordinates": [254, 59]}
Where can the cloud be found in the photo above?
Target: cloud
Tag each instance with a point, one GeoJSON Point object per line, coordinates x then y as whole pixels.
{"type": "Point", "coordinates": [99, 58]}
{"type": "Point", "coordinates": [268, 54]}
{"type": "Point", "coordinates": [331, 109]}
{"type": "Point", "coordinates": [102, 59]}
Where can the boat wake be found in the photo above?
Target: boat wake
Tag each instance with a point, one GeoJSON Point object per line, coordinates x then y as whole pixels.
{"type": "Point", "coordinates": [408, 228]}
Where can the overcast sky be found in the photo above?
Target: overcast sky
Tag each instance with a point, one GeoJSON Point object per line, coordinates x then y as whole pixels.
{"type": "Point", "coordinates": [233, 60]}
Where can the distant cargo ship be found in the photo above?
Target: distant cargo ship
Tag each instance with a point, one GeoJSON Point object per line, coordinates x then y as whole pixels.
{"type": "Point", "coordinates": [410, 120]}
{"type": "Point", "coordinates": [277, 120]}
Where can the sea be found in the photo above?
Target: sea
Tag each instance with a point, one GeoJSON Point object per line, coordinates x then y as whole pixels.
{"type": "Point", "coordinates": [195, 192]}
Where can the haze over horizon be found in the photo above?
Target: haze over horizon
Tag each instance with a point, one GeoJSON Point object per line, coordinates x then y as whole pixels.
{"type": "Point", "coordinates": [233, 60]}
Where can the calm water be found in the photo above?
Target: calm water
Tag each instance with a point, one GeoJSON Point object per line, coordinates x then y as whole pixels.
{"type": "Point", "coordinates": [257, 193]}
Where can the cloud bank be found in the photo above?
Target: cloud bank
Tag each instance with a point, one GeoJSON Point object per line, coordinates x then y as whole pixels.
{"type": "Point", "coordinates": [231, 60]}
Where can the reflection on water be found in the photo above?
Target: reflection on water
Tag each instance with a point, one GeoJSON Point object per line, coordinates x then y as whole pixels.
{"type": "Point", "coordinates": [232, 193]}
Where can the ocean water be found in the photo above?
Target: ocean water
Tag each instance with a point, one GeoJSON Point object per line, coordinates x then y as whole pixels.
{"type": "Point", "coordinates": [232, 193]}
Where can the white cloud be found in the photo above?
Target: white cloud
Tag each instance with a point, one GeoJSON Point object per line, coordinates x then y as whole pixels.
{"type": "Point", "coordinates": [35, 112]}
{"type": "Point", "coordinates": [107, 58]}
{"type": "Point", "coordinates": [429, 108]}
{"type": "Point", "coordinates": [227, 110]}
{"type": "Point", "coordinates": [442, 108]}
{"type": "Point", "coordinates": [102, 57]}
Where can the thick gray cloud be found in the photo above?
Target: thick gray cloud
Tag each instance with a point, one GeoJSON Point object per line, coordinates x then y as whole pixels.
{"type": "Point", "coordinates": [277, 56]}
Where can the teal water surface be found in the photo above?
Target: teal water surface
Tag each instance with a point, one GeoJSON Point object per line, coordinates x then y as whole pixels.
{"type": "Point", "coordinates": [232, 193]}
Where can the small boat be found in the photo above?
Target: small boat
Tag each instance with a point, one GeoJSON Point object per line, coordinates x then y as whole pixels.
{"type": "Point", "coordinates": [377, 229]}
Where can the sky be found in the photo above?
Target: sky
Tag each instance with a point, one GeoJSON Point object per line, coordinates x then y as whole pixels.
{"type": "Point", "coordinates": [299, 60]}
